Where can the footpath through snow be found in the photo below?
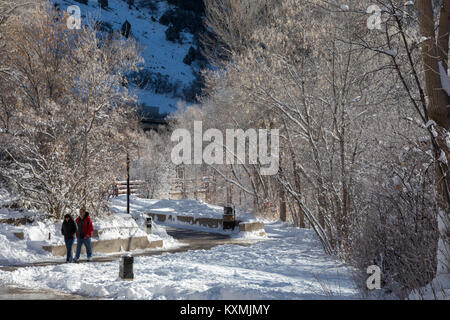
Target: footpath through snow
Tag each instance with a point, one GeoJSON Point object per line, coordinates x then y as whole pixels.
{"type": "Point", "coordinates": [291, 264]}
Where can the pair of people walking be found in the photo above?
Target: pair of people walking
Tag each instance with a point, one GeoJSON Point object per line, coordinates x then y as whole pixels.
{"type": "Point", "coordinates": [83, 229]}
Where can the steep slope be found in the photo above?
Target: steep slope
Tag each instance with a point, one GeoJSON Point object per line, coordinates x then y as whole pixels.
{"type": "Point", "coordinates": [170, 49]}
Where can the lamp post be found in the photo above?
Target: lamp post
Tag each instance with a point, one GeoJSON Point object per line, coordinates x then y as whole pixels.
{"type": "Point", "coordinates": [128, 183]}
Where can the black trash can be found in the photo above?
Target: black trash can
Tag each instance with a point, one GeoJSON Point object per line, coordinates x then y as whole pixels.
{"type": "Point", "coordinates": [126, 268]}
{"type": "Point", "coordinates": [149, 225]}
{"type": "Point", "coordinates": [228, 211]}
{"type": "Point", "coordinates": [229, 218]}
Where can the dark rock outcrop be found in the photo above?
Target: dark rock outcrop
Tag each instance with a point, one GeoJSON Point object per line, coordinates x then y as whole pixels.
{"type": "Point", "coordinates": [103, 4]}
{"type": "Point", "coordinates": [126, 29]}
{"type": "Point", "coordinates": [191, 56]}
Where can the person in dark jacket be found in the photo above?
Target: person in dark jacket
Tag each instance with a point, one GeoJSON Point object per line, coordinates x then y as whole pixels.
{"type": "Point", "coordinates": [68, 229]}
{"type": "Point", "coordinates": [85, 231]}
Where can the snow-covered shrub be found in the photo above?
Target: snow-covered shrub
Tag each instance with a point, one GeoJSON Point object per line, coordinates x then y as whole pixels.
{"type": "Point", "coordinates": [104, 26]}
{"type": "Point", "coordinates": [398, 231]}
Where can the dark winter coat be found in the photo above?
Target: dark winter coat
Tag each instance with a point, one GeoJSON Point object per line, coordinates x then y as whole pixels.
{"type": "Point", "coordinates": [85, 229]}
{"type": "Point", "coordinates": [68, 229]}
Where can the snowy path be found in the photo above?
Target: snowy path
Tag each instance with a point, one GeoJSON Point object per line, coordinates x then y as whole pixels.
{"type": "Point", "coordinates": [12, 293]}
{"type": "Point", "coordinates": [192, 240]}
{"type": "Point", "coordinates": [290, 265]}
{"type": "Point", "coordinates": [188, 240]}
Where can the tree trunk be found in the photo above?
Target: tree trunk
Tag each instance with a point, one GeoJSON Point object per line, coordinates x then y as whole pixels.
{"type": "Point", "coordinates": [443, 33]}
{"type": "Point", "coordinates": [438, 107]}
{"type": "Point", "coordinates": [435, 51]}
{"type": "Point", "coordinates": [282, 204]}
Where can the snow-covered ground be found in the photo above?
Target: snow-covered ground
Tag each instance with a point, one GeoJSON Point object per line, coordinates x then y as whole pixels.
{"type": "Point", "coordinates": [186, 207]}
{"type": "Point", "coordinates": [438, 289]}
{"type": "Point", "coordinates": [118, 225]}
{"type": "Point", "coordinates": [291, 264]}
{"type": "Point", "coordinates": [42, 232]}
{"type": "Point", "coordinates": [15, 251]}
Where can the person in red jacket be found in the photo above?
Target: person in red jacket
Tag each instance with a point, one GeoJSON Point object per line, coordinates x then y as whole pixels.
{"type": "Point", "coordinates": [85, 230]}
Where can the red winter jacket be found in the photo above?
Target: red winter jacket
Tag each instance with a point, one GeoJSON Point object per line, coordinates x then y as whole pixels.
{"type": "Point", "coordinates": [88, 228]}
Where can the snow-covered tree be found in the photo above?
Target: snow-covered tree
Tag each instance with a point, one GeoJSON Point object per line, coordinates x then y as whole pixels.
{"type": "Point", "coordinates": [356, 141]}
{"type": "Point", "coordinates": [70, 113]}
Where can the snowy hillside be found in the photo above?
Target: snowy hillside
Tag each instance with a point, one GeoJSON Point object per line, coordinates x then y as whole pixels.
{"type": "Point", "coordinates": [168, 76]}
